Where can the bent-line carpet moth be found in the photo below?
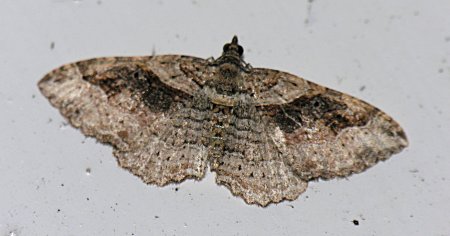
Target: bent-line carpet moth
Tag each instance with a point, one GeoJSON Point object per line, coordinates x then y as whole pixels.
{"type": "Point", "coordinates": [265, 133]}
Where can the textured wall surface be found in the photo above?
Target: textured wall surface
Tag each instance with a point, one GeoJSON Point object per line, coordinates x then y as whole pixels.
{"type": "Point", "coordinates": [394, 55]}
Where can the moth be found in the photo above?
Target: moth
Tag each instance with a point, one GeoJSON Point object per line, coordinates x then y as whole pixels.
{"type": "Point", "coordinates": [265, 133]}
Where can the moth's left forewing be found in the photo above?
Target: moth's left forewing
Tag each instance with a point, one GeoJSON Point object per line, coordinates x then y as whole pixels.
{"type": "Point", "coordinates": [123, 101]}
{"type": "Point", "coordinates": [90, 97]}
{"type": "Point", "coordinates": [181, 72]}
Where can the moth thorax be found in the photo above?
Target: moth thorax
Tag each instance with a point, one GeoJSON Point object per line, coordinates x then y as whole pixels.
{"type": "Point", "coordinates": [229, 80]}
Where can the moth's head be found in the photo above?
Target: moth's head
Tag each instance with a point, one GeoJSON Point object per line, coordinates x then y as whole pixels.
{"type": "Point", "coordinates": [232, 54]}
{"type": "Point", "coordinates": [233, 48]}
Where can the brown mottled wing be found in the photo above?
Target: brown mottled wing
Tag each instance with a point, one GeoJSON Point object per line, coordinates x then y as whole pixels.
{"type": "Point", "coordinates": [133, 104]}
{"type": "Point", "coordinates": [324, 134]}
{"type": "Point", "coordinates": [250, 164]}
